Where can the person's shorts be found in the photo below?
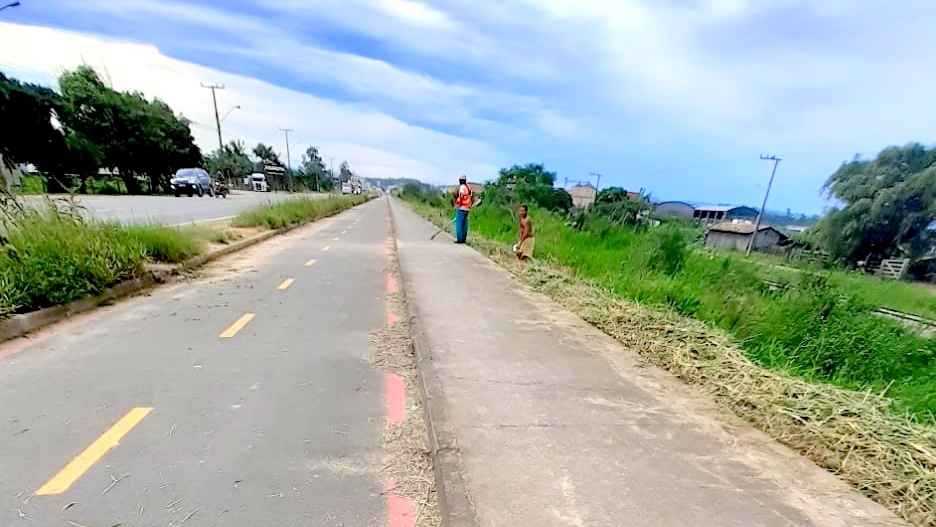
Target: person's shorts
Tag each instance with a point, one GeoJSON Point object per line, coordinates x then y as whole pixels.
{"type": "Point", "coordinates": [525, 249]}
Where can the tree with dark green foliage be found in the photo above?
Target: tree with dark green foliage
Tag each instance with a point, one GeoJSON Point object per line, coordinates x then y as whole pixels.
{"type": "Point", "coordinates": [888, 206]}
{"type": "Point", "coordinates": [125, 131]}
{"type": "Point", "coordinates": [344, 172]}
{"type": "Point", "coordinates": [28, 135]}
{"type": "Point", "coordinates": [312, 170]}
{"type": "Point", "coordinates": [267, 155]}
{"type": "Point", "coordinates": [232, 162]}
{"type": "Point", "coordinates": [531, 184]}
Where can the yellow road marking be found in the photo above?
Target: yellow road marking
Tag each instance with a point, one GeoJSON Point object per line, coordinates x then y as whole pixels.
{"type": "Point", "coordinates": [286, 283]}
{"type": "Point", "coordinates": [237, 326]}
{"type": "Point", "coordinates": [337, 238]}
{"type": "Point", "coordinates": [326, 248]}
{"type": "Point", "coordinates": [91, 455]}
{"type": "Point", "coordinates": [310, 263]}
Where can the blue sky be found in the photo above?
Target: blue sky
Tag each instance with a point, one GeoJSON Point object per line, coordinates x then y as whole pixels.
{"type": "Point", "coordinates": [679, 97]}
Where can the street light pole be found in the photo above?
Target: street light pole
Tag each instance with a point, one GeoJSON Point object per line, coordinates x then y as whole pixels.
{"type": "Point", "coordinates": [288, 160]}
{"type": "Point", "coordinates": [13, 4]}
{"type": "Point", "coordinates": [776, 161]}
{"type": "Point", "coordinates": [235, 107]}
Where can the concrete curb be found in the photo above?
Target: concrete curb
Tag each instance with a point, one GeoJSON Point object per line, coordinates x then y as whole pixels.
{"type": "Point", "coordinates": [19, 325]}
{"type": "Point", "coordinates": [455, 505]}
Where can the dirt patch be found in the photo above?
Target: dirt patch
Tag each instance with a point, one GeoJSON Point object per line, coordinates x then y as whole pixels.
{"type": "Point", "coordinates": [408, 461]}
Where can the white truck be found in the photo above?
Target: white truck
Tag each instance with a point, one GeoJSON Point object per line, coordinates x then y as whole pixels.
{"type": "Point", "coordinates": [257, 182]}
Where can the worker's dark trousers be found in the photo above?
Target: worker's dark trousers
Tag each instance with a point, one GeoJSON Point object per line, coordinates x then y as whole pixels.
{"type": "Point", "coordinates": [461, 225]}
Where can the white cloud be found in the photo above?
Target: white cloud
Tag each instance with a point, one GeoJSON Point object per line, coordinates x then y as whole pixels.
{"type": "Point", "coordinates": [374, 142]}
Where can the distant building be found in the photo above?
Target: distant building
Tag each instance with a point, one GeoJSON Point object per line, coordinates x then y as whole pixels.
{"type": "Point", "coordinates": [674, 209]}
{"type": "Point", "coordinates": [711, 214]}
{"type": "Point", "coordinates": [736, 235]}
{"type": "Point", "coordinates": [583, 195]}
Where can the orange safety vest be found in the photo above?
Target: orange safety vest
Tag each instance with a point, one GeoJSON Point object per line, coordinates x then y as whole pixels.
{"type": "Point", "coordinates": [463, 201]}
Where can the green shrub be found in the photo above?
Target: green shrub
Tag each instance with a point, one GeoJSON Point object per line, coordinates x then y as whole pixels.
{"type": "Point", "coordinates": [167, 244]}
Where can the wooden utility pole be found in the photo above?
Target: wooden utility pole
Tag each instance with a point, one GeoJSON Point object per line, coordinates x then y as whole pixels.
{"type": "Point", "coordinates": [776, 161]}
{"type": "Point", "coordinates": [214, 99]}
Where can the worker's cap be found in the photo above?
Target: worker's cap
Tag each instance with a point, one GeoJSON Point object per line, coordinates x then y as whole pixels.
{"type": "Point", "coordinates": [463, 178]}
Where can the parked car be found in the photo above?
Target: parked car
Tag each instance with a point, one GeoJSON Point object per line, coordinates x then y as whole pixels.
{"type": "Point", "coordinates": [191, 181]}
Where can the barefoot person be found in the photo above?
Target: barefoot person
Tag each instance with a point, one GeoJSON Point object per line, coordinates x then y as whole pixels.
{"type": "Point", "coordinates": [524, 247]}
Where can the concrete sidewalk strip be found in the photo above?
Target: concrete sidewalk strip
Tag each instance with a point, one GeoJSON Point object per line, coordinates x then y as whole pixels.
{"type": "Point", "coordinates": [538, 419]}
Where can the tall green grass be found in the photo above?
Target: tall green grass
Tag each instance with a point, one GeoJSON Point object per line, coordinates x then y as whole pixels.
{"type": "Point", "coordinates": [813, 327]}
{"type": "Point", "coordinates": [51, 254]}
{"type": "Point", "coordinates": [295, 211]}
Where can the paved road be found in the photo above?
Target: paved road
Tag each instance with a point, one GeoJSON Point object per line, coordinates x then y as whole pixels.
{"type": "Point", "coordinates": [278, 425]}
{"type": "Point", "coordinates": [171, 210]}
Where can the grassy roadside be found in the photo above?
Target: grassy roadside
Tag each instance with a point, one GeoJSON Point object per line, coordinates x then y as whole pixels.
{"type": "Point", "coordinates": [53, 254]}
{"type": "Point", "coordinates": [859, 434]}
{"type": "Point", "coordinates": [295, 211]}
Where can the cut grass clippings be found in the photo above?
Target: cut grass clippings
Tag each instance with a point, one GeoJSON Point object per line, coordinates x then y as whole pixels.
{"type": "Point", "coordinates": [858, 435]}
{"type": "Point", "coordinates": [295, 211]}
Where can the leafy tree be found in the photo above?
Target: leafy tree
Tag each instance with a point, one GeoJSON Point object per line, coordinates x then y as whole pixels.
{"type": "Point", "coordinates": [344, 172]}
{"type": "Point", "coordinates": [616, 205]}
{"type": "Point", "coordinates": [267, 155]}
{"type": "Point", "coordinates": [312, 170]}
{"type": "Point", "coordinates": [231, 162]}
{"type": "Point", "coordinates": [28, 135]}
{"type": "Point", "coordinates": [888, 206]}
{"type": "Point", "coordinates": [531, 184]}
{"type": "Point", "coordinates": [125, 131]}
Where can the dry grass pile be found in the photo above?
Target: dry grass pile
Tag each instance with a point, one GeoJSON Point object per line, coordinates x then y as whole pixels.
{"type": "Point", "coordinates": [856, 435]}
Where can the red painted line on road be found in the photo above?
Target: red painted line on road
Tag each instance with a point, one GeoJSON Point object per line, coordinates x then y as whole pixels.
{"type": "Point", "coordinates": [400, 512]}
{"type": "Point", "coordinates": [396, 399]}
{"type": "Point", "coordinates": [391, 284]}
{"type": "Point", "coordinates": [391, 318]}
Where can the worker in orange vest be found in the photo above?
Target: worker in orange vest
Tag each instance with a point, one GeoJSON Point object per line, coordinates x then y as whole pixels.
{"type": "Point", "coordinates": [463, 202]}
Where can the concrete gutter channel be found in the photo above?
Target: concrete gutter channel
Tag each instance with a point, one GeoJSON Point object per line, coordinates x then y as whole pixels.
{"type": "Point", "coordinates": [455, 505]}
{"type": "Point", "coordinates": [22, 324]}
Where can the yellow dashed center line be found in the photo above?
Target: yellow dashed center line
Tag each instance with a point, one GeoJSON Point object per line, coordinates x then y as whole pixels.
{"type": "Point", "coordinates": [336, 238]}
{"type": "Point", "coordinates": [310, 263]}
{"type": "Point", "coordinates": [91, 455]}
{"type": "Point", "coordinates": [237, 326]}
{"type": "Point", "coordinates": [326, 248]}
{"type": "Point", "coordinates": [286, 283]}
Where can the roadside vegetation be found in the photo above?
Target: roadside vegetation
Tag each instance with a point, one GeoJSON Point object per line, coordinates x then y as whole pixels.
{"type": "Point", "coordinates": [295, 211]}
{"type": "Point", "coordinates": [808, 362]}
{"type": "Point", "coordinates": [53, 253]}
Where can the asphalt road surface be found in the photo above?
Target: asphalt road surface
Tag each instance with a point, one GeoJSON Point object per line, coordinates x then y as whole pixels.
{"type": "Point", "coordinates": [240, 399]}
{"type": "Point", "coordinates": [172, 210]}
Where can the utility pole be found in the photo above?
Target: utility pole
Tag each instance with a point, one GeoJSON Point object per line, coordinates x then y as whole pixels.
{"type": "Point", "coordinates": [598, 183]}
{"type": "Point", "coordinates": [331, 161]}
{"type": "Point", "coordinates": [214, 99]}
{"type": "Point", "coordinates": [776, 161]}
{"type": "Point", "coordinates": [288, 160]}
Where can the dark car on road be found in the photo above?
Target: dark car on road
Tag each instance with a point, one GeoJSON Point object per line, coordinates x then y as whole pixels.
{"type": "Point", "coordinates": [191, 181]}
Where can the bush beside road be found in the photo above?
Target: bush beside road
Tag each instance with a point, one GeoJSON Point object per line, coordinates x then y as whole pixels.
{"type": "Point", "coordinates": [52, 254]}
